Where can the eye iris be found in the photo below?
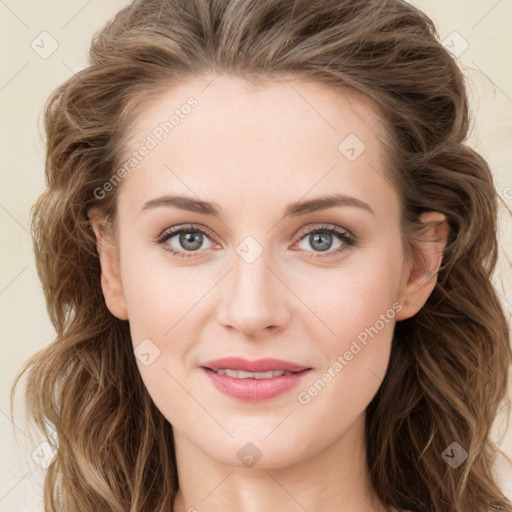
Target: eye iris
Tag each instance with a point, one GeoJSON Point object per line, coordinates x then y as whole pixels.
{"type": "Point", "coordinates": [193, 237]}
{"type": "Point", "coordinates": [325, 240]}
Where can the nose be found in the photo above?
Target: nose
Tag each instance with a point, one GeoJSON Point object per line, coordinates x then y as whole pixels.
{"type": "Point", "coordinates": [255, 300]}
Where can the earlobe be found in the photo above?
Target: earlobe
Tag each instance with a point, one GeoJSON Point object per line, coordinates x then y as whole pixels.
{"type": "Point", "coordinates": [420, 276]}
{"type": "Point", "coordinates": [111, 284]}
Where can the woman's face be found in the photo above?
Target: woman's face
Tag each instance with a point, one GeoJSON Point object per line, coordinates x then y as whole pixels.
{"type": "Point", "coordinates": [260, 278]}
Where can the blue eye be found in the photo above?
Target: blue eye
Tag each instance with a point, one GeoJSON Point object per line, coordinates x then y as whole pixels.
{"type": "Point", "coordinates": [191, 238]}
{"type": "Point", "coordinates": [321, 238]}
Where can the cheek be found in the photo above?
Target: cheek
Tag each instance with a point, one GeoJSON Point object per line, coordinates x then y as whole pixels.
{"type": "Point", "coordinates": [156, 294]}
{"type": "Point", "coordinates": [357, 359]}
{"type": "Point", "coordinates": [353, 297]}
{"type": "Point", "coordinates": [360, 308]}
{"type": "Point", "coordinates": [160, 316]}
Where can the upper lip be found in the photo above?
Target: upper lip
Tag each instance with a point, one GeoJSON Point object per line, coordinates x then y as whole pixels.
{"type": "Point", "coordinates": [260, 365]}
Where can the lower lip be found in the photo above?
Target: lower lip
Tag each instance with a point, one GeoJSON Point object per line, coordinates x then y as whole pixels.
{"type": "Point", "coordinates": [255, 390]}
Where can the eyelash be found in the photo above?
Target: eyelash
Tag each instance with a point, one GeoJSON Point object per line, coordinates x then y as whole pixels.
{"type": "Point", "coordinates": [347, 239]}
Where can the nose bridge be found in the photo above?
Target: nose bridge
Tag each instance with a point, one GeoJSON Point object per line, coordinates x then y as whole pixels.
{"type": "Point", "coordinates": [252, 297]}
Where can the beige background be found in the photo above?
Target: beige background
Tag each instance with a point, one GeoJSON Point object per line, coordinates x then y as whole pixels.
{"type": "Point", "coordinates": [483, 39]}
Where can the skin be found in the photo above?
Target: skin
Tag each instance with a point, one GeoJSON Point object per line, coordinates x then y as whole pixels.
{"type": "Point", "coordinates": [252, 152]}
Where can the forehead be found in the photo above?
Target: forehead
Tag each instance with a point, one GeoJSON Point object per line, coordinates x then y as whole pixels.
{"type": "Point", "coordinates": [281, 138]}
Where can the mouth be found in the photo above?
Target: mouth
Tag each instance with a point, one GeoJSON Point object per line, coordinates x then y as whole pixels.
{"type": "Point", "coordinates": [254, 381]}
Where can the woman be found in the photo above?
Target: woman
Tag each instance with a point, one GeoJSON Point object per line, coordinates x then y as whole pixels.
{"type": "Point", "coordinates": [267, 253]}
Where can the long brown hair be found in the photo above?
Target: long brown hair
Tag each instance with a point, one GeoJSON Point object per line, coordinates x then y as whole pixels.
{"type": "Point", "coordinates": [449, 364]}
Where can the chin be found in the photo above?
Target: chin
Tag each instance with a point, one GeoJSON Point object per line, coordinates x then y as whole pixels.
{"type": "Point", "coordinates": [257, 452]}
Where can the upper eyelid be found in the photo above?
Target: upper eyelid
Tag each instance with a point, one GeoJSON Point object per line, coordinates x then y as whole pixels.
{"type": "Point", "coordinates": [174, 230]}
{"type": "Point", "coordinates": [339, 229]}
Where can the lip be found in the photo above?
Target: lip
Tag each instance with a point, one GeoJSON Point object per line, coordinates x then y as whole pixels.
{"type": "Point", "coordinates": [254, 390]}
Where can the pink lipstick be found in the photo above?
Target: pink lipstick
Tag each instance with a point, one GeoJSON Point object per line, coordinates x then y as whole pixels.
{"type": "Point", "coordinates": [254, 381]}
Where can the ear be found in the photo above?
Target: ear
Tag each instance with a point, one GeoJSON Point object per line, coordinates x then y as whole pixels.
{"type": "Point", "coordinates": [420, 273]}
{"type": "Point", "coordinates": [110, 270]}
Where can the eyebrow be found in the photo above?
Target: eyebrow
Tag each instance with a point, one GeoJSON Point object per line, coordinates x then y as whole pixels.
{"type": "Point", "coordinates": [292, 210]}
